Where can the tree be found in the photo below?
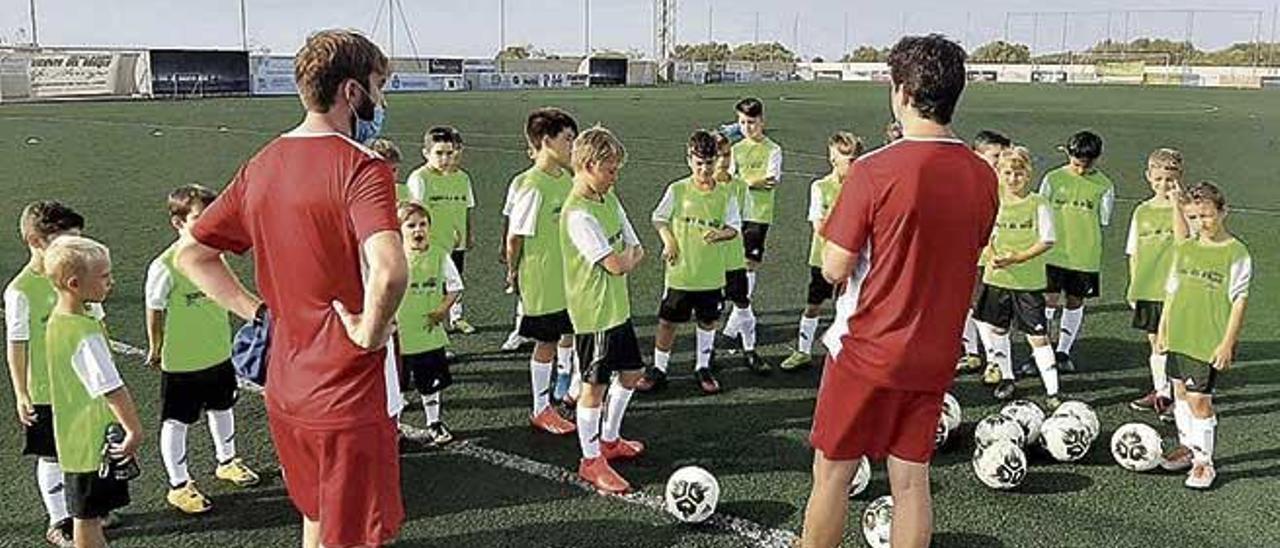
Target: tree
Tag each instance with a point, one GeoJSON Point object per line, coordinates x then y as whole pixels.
{"type": "Point", "coordinates": [708, 52]}
{"type": "Point", "coordinates": [1001, 52]}
{"type": "Point", "coordinates": [762, 52]}
{"type": "Point", "coordinates": [866, 54]}
{"type": "Point", "coordinates": [515, 52]}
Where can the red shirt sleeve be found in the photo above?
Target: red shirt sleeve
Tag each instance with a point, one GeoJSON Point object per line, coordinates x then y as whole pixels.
{"type": "Point", "coordinates": [849, 223]}
{"type": "Point", "coordinates": [222, 225]}
{"type": "Point", "coordinates": [371, 200]}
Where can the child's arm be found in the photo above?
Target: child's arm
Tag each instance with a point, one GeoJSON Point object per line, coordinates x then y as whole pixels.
{"type": "Point", "coordinates": [17, 318]}
{"type": "Point", "coordinates": [471, 204]}
{"type": "Point", "coordinates": [158, 285]}
{"type": "Point", "coordinates": [732, 225]}
{"type": "Point", "coordinates": [1107, 206]}
{"type": "Point", "coordinates": [662, 223]}
{"type": "Point", "coordinates": [155, 336]}
{"type": "Point", "coordinates": [1241, 274]}
{"type": "Point", "coordinates": [1036, 250]}
{"type": "Point", "coordinates": [1181, 230]}
{"type": "Point", "coordinates": [772, 174]}
{"type": "Point", "coordinates": [452, 289]}
{"type": "Point", "coordinates": [121, 405]}
{"type": "Point", "coordinates": [1131, 246]}
{"type": "Point", "coordinates": [816, 216]}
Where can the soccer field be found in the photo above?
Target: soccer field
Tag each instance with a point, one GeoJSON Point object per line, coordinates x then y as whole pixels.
{"type": "Point", "coordinates": [507, 486]}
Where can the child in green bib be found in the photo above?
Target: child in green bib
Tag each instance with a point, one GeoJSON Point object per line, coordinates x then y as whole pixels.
{"type": "Point", "coordinates": [445, 189]}
{"type": "Point", "coordinates": [1204, 304]}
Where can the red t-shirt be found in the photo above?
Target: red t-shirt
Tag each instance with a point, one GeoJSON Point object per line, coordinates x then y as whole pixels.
{"type": "Point", "coordinates": [304, 204]}
{"type": "Point", "coordinates": [917, 213]}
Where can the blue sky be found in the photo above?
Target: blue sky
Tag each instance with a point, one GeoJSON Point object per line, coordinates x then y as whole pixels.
{"type": "Point", "coordinates": [470, 27]}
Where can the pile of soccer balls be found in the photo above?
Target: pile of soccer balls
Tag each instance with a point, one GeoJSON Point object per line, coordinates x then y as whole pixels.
{"type": "Point", "coordinates": [1000, 459]}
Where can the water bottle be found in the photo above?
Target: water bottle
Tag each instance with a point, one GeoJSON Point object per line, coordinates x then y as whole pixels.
{"type": "Point", "coordinates": [119, 468]}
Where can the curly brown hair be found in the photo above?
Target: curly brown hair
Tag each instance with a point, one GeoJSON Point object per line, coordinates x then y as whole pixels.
{"type": "Point", "coordinates": [331, 57]}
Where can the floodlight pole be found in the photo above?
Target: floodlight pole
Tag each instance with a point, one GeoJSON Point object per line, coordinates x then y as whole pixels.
{"type": "Point", "coordinates": [391, 27]}
{"type": "Point", "coordinates": [1271, 46]}
{"type": "Point", "coordinates": [35, 33]}
{"type": "Point", "coordinates": [757, 34]}
{"type": "Point", "coordinates": [711, 18]}
{"type": "Point", "coordinates": [846, 35]}
{"type": "Point", "coordinates": [244, 33]}
{"type": "Point", "coordinates": [586, 27]}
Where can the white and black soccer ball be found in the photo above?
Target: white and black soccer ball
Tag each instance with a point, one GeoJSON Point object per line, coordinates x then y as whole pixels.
{"type": "Point", "coordinates": [951, 412]}
{"type": "Point", "coordinates": [1082, 411]}
{"type": "Point", "coordinates": [1065, 437]}
{"type": "Point", "coordinates": [861, 478]}
{"type": "Point", "coordinates": [1028, 415]}
{"type": "Point", "coordinates": [877, 522]}
{"type": "Point", "coordinates": [998, 427]}
{"type": "Point", "coordinates": [692, 494]}
{"type": "Point", "coordinates": [1137, 447]}
{"type": "Point", "coordinates": [941, 433]}
{"type": "Point", "coordinates": [1002, 465]}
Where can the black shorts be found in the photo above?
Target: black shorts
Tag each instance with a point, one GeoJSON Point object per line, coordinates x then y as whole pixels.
{"type": "Point", "coordinates": [1197, 376]}
{"type": "Point", "coordinates": [1146, 315]}
{"type": "Point", "coordinates": [977, 289]}
{"type": "Point", "coordinates": [184, 396]}
{"type": "Point", "coordinates": [753, 236]}
{"type": "Point", "coordinates": [614, 350]}
{"type": "Point", "coordinates": [92, 497]}
{"type": "Point", "coordinates": [547, 328]}
{"type": "Point", "coordinates": [1075, 283]}
{"type": "Point", "coordinates": [40, 441]}
{"type": "Point", "coordinates": [820, 290]}
{"type": "Point", "coordinates": [679, 306]}
{"type": "Point", "coordinates": [735, 287]}
{"type": "Point", "coordinates": [427, 371]}
{"type": "Point", "coordinates": [1011, 308]}
{"type": "Point", "coordinates": [458, 256]}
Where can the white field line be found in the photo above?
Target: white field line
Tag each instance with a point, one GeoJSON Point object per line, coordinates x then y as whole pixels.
{"type": "Point", "coordinates": [759, 535]}
{"type": "Point", "coordinates": [513, 151]}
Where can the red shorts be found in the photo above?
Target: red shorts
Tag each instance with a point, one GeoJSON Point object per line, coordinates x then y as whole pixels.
{"type": "Point", "coordinates": [855, 418]}
{"type": "Point", "coordinates": [347, 479]}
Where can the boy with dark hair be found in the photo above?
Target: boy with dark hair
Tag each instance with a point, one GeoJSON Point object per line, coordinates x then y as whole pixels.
{"type": "Point", "coordinates": [1204, 305]}
{"type": "Point", "coordinates": [695, 216]}
{"type": "Point", "coordinates": [29, 299]}
{"type": "Point", "coordinates": [842, 149]}
{"type": "Point", "coordinates": [434, 284]}
{"type": "Point", "coordinates": [189, 340]}
{"type": "Point", "coordinates": [600, 249]}
{"type": "Point", "coordinates": [892, 348]}
{"type": "Point", "coordinates": [1150, 250]}
{"type": "Point", "coordinates": [1083, 198]}
{"type": "Point", "coordinates": [89, 397]}
{"type": "Point", "coordinates": [534, 257]}
{"type": "Point", "coordinates": [757, 160]}
{"type": "Point", "coordinates": [445, 189]}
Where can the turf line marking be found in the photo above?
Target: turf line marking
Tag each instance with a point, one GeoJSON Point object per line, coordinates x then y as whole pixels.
{"type": "Point", "coordinates": [761, 535]}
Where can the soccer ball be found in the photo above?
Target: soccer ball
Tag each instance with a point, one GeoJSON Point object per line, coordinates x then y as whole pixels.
{"type": "Point", "coordinates": [1137, 447]}
{"type": "Point", "coordinates": [941, 433]}
{"type": "Point", "coordinates": [1028, 415]}
{"type": "Point", "coordinates": [951, 412]}
{"type": "Point", "coordinates": [877, 522]}
{"type": "Point", "coordinates": [995, 428]}
{"type": "Point", "coordinates": [860, 478]}
{"type": "Point", "coordinates": [692, 494]}
{"type": "Point", "coordinates": [1002, 465]}
{"type": "Point", "coordinates": [1082, 411]}
{"type": "Point", "coordinates": [1065, 437]}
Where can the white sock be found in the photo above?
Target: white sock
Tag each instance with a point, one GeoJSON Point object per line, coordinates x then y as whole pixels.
{"type": "Point", "coordinates": [1000, 351]}
{"type": "Point", "coordinates": [661, 359]}
{"type": "Point", "coordinates": [1071, 322]}
{"type": "Point", "coordinates": [519, 312]}
{"type": "Point", "coordinates": [808, 329]}
{"type": "Point", "coordinates": [706, 344]}
{"type": "Point", "coordinates": [1049, 312]}
{"type": "Point", "coordinates": [222, 427]}
{"type": "Point", "coordinates": [731, 325]}
{"type": "Point", "coordinates": [575, 382]}
{"type": "Point", "coordinates": [751, 283]}
{"type": "Point", "coordinates": [1182, 417]}
{"type": "Point", "coordinates": [987, 334]}
{"type": "Point", "coordinates": [589, 431]}
{"type": "Point", "coordinates": [616, 406]}
{"type": "Point", "coordinates": [52, 491]}
{"type": "Point", "coordinates": [431, 406]}
{"type": "Point", "coordinates": [747, 330]}
{"type": "Point", "coordinates": [455, 312]}
{"type": "Point", "coordinates": [970, 337]}
{"type": "Point", "coordinates": [173, 451]}
{"type": "Point", "coordinates": [1202, 434]}
{"type": "Point", "coordinates": [540, 374]}
{"type": "Point", "coordinates": [564, 360]}
{"type": "Point", "coordinates": [1048, 366]}
{"type": "Point", "coordinates": [1159, 380]}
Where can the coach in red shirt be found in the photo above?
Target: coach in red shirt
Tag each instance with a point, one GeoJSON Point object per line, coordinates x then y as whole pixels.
{"type": "Point", "coordinates": [317, 209]}
{"type": "Point", "coordinates": [904, 237]}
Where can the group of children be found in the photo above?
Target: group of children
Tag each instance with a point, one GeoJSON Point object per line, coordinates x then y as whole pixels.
{"type": "Point", "coordinates": [1188, 283]}
{"type": "Point", "coordinates": [79, 418]}
{"type": "Point", "coordinates": [568, 247]}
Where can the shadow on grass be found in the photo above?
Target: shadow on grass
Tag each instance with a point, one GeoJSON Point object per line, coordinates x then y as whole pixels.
{"type": "Point", "coordinates": [581, 533]}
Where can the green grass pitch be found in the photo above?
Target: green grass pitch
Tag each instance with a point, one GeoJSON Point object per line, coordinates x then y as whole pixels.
{"type": "Point", "coordinates": [108, 161]}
